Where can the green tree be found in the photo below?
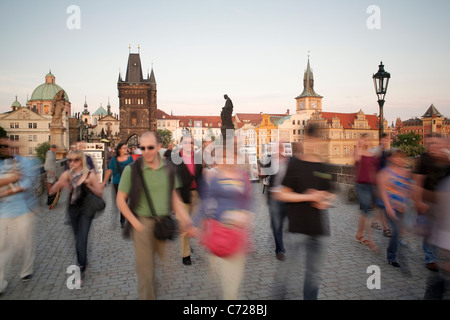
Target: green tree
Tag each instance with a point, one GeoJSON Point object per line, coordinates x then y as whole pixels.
{"type": "Point", "coordinates": [410, 144]}
{"type": "Point", "coordinates": [41, 150]}
{"type": "Point", "coordinates": [166, 137]}
{"type": "Point", "coordinates": [3, 133]}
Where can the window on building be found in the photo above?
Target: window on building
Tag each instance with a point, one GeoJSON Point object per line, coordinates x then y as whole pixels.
{"type": "Point", "coordinates": [30, 150]}
{"type": "Point", "coordinates": [30, 138]}
{"type": "Point", "coordinates": [133, 118]}
{"type": "Point", "coordinates": [16, 125]}
{"type": "Point", "coordinates": [11, 125]}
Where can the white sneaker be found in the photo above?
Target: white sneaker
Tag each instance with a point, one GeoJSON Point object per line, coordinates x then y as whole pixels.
{"type": "Point", "coordinates": [3, 286]}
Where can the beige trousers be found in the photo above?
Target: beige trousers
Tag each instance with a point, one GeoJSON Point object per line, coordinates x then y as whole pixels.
{"type": "Point", "coordinates": [229, 272]}
{"type": "Point", "coordinates": [185, 240]}
{"type": "Point", "coordinates": [145, 247]}
{"type": "Point", "coordinates": [16, 238]}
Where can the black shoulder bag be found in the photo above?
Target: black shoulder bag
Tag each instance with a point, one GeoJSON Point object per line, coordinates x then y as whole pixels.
{"type": "Point", "coordinates": [166, 227]}
{"type": "Point", "coordinates": [92, 205]}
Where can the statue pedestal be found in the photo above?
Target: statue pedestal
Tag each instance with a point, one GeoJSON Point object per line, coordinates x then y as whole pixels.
{"type": "Point", "coordinates": [227, 134]}
{"type": "Point", "coordinates": [57, 138]}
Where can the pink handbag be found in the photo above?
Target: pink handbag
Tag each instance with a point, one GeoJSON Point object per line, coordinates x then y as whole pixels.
{"type": "Point", "coordinates": [221, 239]}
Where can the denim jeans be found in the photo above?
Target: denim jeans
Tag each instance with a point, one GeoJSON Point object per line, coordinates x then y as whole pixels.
{"type": "Point", "coordinates": [366, 197]}
{"type": "Point", "coordinates": [393, 252]}
{"type": "Point", "coordinates": [429, 250]}
{"type": "Point", "coordinates": [80, 225]}
{"type": "Point", "coordinates": [392, 248]}
{"type": "Point", "coordinates": [314, 249]}
{"type": "Point", "coordinates": [278, 212]}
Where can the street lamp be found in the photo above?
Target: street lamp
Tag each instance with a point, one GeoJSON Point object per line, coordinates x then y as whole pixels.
{"type": "Point", "coordinates": [381, 81]}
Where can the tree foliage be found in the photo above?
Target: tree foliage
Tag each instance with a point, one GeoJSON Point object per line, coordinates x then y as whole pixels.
{"type": "Point", "coordinates": [410, 143]}
{"type": "Point", "coordinates": [166, 137]}
{"type": "Point", "coordinates": [41, 150]}
{"type": "Point", "coordinates": [3, 133]}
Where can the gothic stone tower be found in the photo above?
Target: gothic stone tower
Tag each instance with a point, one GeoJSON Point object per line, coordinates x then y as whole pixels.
{"type": "Point", "coordinates": [137, 101]}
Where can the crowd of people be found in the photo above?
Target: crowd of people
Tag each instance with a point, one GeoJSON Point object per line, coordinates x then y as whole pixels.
{"type": "Point", "coordinates": [211, 201]}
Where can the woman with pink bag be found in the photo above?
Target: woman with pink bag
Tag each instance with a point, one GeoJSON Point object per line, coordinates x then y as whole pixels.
{"type": "Point", "coordinates": [226, 218]}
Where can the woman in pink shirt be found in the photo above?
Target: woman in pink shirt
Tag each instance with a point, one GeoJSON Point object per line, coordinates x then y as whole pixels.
{"type": "Point", "coordinates": [367, 165]}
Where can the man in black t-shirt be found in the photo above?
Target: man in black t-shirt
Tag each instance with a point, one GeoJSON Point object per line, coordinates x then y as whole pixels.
{"type": "Point", "coordinates": [307, 188]}
{"type": "Point", "coordinates": [432, 168]}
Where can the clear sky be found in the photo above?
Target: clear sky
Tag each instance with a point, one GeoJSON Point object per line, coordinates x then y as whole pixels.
{"type": "Point", "coordinates": [255, 51]}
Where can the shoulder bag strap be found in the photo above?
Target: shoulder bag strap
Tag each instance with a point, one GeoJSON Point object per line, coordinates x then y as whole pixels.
{"type": "Point", "coordinates": [146, 191]}
{"type": "Point", "coordinates": [118, 166]}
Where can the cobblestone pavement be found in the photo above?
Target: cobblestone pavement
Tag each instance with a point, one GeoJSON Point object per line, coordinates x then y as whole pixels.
{"type": "Point", "coordinates": [111, 275]}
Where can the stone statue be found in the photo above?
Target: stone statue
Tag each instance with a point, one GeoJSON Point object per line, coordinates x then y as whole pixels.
{"type": "Point", "coordinates": [227, 128]}
{"type": "Point", "coordinates": [58, 107]}
{"type": "Point", "coordinates": [226, 114]}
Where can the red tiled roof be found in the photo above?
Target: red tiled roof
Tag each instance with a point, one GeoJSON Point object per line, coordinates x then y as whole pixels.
{"type": "Point", "coordinates": [347, 119]}
{"type": "Point", "coordinates": [253, 118]}
{"type": "Point", "coordinates": [213, 120]}
{"type": "Point", "coordinates": [162, 115]}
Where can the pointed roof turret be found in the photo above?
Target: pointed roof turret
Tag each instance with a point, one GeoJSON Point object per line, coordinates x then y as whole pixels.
{"type": "Point", "coordinates": [108, 107]}
{"type": "Point", "coordinates": [432, 111]}
{"type": "Point", "coordinates": [134, 69]}
{"type": "Point", "coordinates": [152, 77]}
{"type": "Point", "coordinates": [85, 111]}
{"type": "Point", "coordinates": [308, 84]}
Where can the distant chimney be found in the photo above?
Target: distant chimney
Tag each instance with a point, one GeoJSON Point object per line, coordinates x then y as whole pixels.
{"type": "Point", "coordinates": [287, 112]}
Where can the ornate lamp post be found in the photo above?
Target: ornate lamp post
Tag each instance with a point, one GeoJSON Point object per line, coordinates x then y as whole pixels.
{"type": "Point", "coordinates": [381, 81]}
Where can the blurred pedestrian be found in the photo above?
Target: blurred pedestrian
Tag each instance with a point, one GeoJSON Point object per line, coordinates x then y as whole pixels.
{"type": "Point", "coordinates": [430, 171]}
{"type": "Point", "coordinates": [366, 164]}
{"type": "Point", "coordinates": [115, 168]}
{"type": "Point", "coordinates": [381, 153]}
{"type": "Point", "coordinates": [18, 176]}
{"type": "Point", "coordinates": [190, 172]}
{"type": "Point", "coordinates": [81, 145]}
{"type": "Point", "coordinates": [395, 188]}
{"type": "Point", "coordinates": [50, 171]}
{"type": "Point", "coordinates": [161, 182]}
{"type": "Point", "coordinates": [277, 209]}
{"type": "Point", "coordinates": [168, 153]}
{"type": "Point", "coordinates": [438, 283]}
{"type": "Point", "coordinates": [307, 188]}
{"type": "Point", "coordinates": [225, 219]}
{"type": "Point", "coordinates": [79, 179]}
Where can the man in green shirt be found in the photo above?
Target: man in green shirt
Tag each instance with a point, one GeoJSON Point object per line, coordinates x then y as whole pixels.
{"type": "Point", "coordinates": [164, 199]}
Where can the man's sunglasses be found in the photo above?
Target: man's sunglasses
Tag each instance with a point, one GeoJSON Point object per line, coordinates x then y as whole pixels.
{"type": "Point", "coordinates": [3, 146]}
{"type": "Point", "coordinates": [73, 160]}
{"type": "Point", "coordinates": [148, 148]}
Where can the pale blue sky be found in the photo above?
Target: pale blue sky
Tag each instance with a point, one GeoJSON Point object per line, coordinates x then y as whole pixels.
{"type": "Point", "coordinates": [255, 51]}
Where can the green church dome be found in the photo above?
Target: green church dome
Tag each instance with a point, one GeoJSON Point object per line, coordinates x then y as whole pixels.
{"type": "Point", "coordinates": [47, 91]}
{"type": "Point", "coordinates": [16, 104]}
